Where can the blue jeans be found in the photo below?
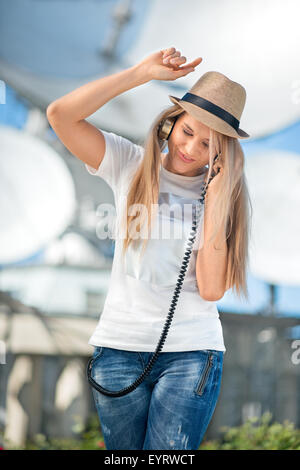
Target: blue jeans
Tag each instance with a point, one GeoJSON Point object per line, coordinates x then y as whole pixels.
{"type": "Point", "coordinates": [170, 409]}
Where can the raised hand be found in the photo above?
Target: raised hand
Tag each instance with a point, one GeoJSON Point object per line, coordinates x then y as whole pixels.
{"type": "Point", "coordinates": [166, 64]}
{"type": "Point", "coordinates": [217, 173]}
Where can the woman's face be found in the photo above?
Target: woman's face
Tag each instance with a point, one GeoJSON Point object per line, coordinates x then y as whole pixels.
{"type": "Point", "coordinates": [189, 138]}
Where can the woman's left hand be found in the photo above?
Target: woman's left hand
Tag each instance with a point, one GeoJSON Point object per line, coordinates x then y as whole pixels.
{"type": "Point", "coordinates": [216, 180]}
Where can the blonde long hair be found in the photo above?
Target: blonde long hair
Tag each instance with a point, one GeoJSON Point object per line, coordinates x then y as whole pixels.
{"type": "Point", "coordinates": [232, 202]}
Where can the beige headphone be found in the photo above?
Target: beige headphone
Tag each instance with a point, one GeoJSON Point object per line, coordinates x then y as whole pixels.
{"type": "Point", "coordinates": [165, 128]}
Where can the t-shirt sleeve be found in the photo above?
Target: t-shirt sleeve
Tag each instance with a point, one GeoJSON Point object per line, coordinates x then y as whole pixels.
{"type": "Point", "coordinates": [120, 154]}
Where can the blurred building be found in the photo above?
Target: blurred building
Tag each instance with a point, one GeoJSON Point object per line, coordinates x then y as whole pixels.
{"type": "Point", "coordinates": [44, 390]}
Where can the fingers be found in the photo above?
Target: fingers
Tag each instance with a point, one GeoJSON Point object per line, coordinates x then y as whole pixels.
{"type": "Point", "coordinates": [169, 55]}
{"type": "Point", "coordinates": [173, 57]}
{"type": "Point", "coordinates": [177, 60]}
{"type": "Point", "coordinates": [181, 72]}
{"type": "Point", "coordinates": [193, 64]}
{"type": "Point", "coordinates": [189, 67]}
{"type": "Point", "coordinates": [167, 52]}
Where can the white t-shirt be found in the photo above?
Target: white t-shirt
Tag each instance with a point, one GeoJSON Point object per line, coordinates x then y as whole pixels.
{"type": "Point", "coordinates": [140, 292]}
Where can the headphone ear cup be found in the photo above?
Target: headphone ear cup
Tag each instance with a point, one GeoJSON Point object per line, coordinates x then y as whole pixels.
{"type": "Point", "coordinates": [166, 127]}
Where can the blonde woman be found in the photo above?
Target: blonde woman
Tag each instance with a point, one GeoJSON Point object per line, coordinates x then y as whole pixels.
{"type": "Point", "coordinates": [173, 405]}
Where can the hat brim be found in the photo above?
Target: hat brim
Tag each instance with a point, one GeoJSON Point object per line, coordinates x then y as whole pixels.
{"type": "Point", "coordinates": [209, 119]}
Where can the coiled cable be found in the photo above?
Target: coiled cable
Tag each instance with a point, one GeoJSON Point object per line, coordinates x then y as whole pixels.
{"type": "Point", "coordinates": [182, 273]}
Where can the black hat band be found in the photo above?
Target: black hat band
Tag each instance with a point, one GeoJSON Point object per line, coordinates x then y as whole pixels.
{"type": "Point", "coordinates": [212, 108]}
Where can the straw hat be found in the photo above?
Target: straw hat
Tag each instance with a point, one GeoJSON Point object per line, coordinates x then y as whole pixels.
{"type": "Point", "coordinates": [216, 101]}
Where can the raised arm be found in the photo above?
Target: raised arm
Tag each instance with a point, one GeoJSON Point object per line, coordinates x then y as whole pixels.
{"type": "Point", "coordinates": [67, 114]}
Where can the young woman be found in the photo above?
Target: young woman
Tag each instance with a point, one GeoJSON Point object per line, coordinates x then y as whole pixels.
{"type": "Point", "coordinates": [172, 407]}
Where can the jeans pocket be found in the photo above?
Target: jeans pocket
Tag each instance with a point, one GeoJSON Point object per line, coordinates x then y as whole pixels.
{"type": "Point", "coordinates": [205, 374]}
{"type": "Point", "coordinates": [98, 351]}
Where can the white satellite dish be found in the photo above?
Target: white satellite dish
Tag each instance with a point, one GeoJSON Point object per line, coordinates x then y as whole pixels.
{"type": "Point", "coordinates": [274, 186]}
{"type": "Point", "coordinates": [262, 55]}
{"type": "Point", "coordinates": [73, 249]}
{"type": "Point", "coordinates": [245, 56]}
{"type": "Point", "coordinates": [37, 195]}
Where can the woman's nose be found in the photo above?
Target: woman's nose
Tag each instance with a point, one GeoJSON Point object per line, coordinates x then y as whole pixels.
{"type": "Point", "coordinates": [191, 149]}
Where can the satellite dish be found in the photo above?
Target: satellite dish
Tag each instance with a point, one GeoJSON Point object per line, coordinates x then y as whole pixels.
{"type": "Point", "coordinates": [239, 63]}
{"type": "Point", "coordinates": [37, 195]}
{"type": "Point", "coordinates": [274, 186]}
{"type": "Point", "coordinates": [110, 43]}
{"type": "Point", "coordinates": [73, 249]}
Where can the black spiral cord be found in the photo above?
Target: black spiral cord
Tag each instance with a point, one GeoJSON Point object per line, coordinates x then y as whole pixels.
{"type": "Point", "coordinates": [186, 258]}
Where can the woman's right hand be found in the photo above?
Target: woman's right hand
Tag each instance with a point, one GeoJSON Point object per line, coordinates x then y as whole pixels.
{"type": "Point", "coordinates": [166, 65]}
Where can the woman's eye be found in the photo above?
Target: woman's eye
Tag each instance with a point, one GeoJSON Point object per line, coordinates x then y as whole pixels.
{"type": "Point", "coordinates": [204, 143]}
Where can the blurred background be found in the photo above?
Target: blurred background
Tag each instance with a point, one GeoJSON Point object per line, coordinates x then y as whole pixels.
{"type": "Point", "coordinates": [55, 271]}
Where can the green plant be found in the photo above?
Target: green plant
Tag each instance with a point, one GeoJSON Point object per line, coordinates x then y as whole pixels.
{"type": "Point", "coordinates": [257, 434]}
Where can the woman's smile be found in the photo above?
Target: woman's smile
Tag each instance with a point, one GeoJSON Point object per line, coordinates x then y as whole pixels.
{"type": "Point", "coordinates": [184, 159]}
